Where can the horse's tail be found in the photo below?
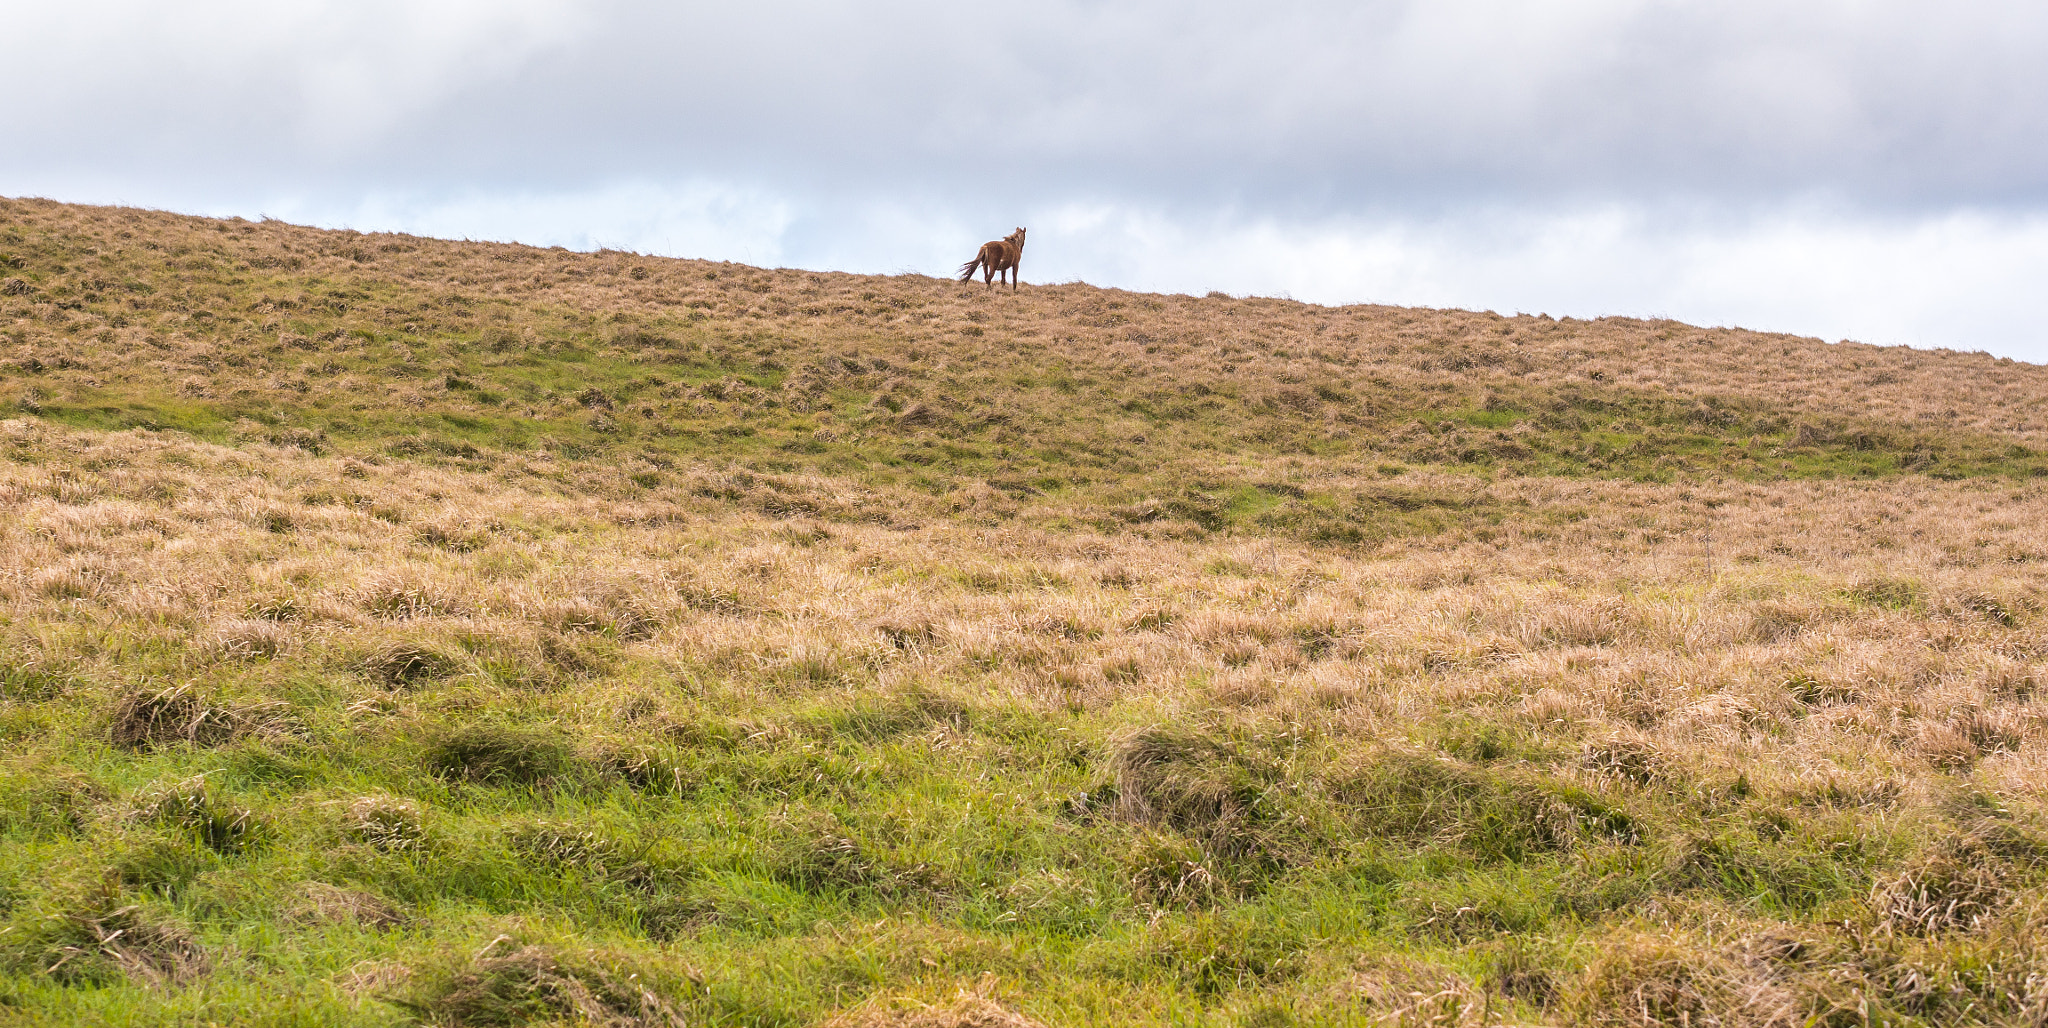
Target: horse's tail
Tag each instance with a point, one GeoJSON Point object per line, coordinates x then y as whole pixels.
{"type": "Point", "coordinates": [967, 269]}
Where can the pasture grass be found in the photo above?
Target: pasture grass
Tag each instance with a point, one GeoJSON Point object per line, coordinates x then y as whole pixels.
{"type": "Point", "coordinates": [457, 688]}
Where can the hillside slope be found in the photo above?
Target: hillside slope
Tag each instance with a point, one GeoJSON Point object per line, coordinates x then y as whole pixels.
{"type": "Point", "coordinates": [476, 351]}
{"type": "Point", "coordinates": [394, 629]}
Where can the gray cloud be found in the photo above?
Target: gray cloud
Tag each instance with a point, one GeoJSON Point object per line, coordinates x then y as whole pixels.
{"type": "Point", "coordinates": [878, 135]}
{"type": "Point", "coordinates": [1320, 103]}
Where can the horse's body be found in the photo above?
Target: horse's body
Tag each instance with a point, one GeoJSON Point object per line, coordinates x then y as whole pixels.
{"type": "Point", "coordinates": [995, 258]}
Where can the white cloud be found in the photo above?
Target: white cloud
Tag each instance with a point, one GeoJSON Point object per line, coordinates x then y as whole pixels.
{"type": "Point", "coordinates": [1964, 280]}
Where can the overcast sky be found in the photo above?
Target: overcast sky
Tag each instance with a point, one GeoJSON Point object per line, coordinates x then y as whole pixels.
{"type": "Point", "coordinates": [1861, 169]}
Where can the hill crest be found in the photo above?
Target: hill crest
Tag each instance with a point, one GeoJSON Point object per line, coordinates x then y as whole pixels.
{"type": "Point", "coordinates": [435, 349]}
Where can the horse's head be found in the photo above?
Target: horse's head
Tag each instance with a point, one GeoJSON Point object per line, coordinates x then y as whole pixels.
{"type": "Point", "coordinates": [1017, 237]}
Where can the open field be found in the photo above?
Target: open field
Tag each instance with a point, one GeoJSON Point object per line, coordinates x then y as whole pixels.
{"type": "Point", "coordinates": [483, 635]}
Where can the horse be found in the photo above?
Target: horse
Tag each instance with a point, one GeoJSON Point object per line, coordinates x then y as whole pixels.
{"type": "Point", "coordinates": [996, 257]}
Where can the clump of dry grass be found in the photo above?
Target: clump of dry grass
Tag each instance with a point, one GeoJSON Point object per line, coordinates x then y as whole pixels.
{"type": "Point", "coordinates": [458, 535]}
{"type": "Point", "coordinates": [280, 608]}
{"type": "Point", "coordinates": [571, 846]}
{"type": "Point", "coordinates": [498, 754]}
{"type": "Point", "coordinates": [1629, 760]}
{"type": "Point", "coordinates": [1194, 783]}
{"type": "Point", "coordinates": [1404, 993]}
{"type": "Point", "coordinates": [400, 598]}
{"type": "Point", "coordinates": [386, 823]}
{"type": "Point", "coordinates": [536, 983]}
{"type": "Point", "coordinates": [1654, 982]}
{"type": "Point", "coordinates": [1939, 895]}
{"type": "Point", "coordinates": [406, 663]}
{"type": "Point", "coordinates": [1169, 872]}
{"type": "Point", "coordinates": [646, 768]}
{"type": "Point", "coordinates": [148, 718]}
{"type": "Point", "coordinates": [189, 805]}
{"type": "Point", "coordinates": [605, 608]}
{"type": "Point", "coordinates": [319, 903]}
{"type": "Point", "coordinates": [95, 942]}
{"type": "Point", "coordinates": [1964, 734]}
{"type": "Point", "coordinates": [965, 1010]}
{"type": "Point", "coordinates": [247, 639]}
{"type": "Point", "coordinates": [1961, 884]}
{"type": "Point", "coordinates": [814, 850]}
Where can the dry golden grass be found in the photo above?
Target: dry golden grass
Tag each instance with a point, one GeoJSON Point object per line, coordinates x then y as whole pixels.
{"type": "Point", "coordinates": [1280, 346]}
{"type": "Point", "coordinates": [313, 338]}
{"type": "Point", "coordinates": [1807, 635]}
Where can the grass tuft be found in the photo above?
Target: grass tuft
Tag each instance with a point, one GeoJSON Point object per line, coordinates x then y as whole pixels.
{"type": "Point", "coordinates": [498, 755]}
{"type": "Point", "coordinates": [409, 663]}
{"type": "Point", "coordinates": [147, 719]}
{"type": "Point", "coordinates": [386, 823]}
{"type": "Point", "coordinates": [1959, 886]}
{"type": "Point", "coordinates": [98, 943]}
{"type": "Point", "coordinates": [1174, 776]}
{"type": "Point", "coordinates": [815, 851]}
{"type": "Point", "coordinates": [317, 903]}
{"type": "Point", "coordinates": [536, 984]}
{"type": "Point", "coordinates": [193, 807]}
{"type": "Point", "coordinates": [966, 1010]}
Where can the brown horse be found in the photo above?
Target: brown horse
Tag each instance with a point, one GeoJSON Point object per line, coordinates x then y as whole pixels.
{"type": "Point", "coordinates": [996, 257]}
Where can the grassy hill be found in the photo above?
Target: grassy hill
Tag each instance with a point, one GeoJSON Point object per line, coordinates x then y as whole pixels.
{"type": "Point", "coordinates": [398, 629]}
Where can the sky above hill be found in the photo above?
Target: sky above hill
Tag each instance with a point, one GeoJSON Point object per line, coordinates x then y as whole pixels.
{"type": "Point", "coordinates": [1861, 169]}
